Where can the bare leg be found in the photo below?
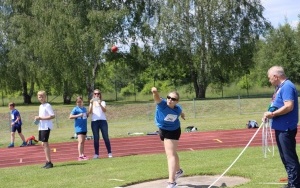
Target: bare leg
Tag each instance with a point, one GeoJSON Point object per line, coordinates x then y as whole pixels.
{"type": "Point", "coordinates": [22, 137]}
{"type": "Point", "coordinates": [172, 157]}
{"type": "Point", "coordinates": [81, 140]}
{"type": "Point", "coordinates": [47, 151]}
{"type": "Point", "coordinates": [12, 137]}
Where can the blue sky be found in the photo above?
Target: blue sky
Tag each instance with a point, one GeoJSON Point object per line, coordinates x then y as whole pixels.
{"type": "Point", "coordinates": [277, 11]}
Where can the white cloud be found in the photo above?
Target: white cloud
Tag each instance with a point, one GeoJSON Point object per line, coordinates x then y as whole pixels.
{"type": "Point", "coordinates": [280, 11]}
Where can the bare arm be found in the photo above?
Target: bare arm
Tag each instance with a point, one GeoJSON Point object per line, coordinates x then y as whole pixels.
{"type": "Point", "coordinates": [92, 102]}
{"type": "Point", "coordinates": [75, 116]}
{"type": "Point", "coordinates": [288, 107]}
{"type": "Point", "coordinates": [90, 111]}
{"type": "Point", "coordinates": [156, 96]}
{"type": "Point", "coordinates": [17, 119]}
{"type": "Point", "coordinates": [44, 118]}
{"type": "Point", "coordinates": [102, 107]}
{"type": "Point", "coordinates": [182, 115]}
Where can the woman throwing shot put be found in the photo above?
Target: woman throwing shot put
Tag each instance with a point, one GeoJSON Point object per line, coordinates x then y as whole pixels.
{"type": "Point", "coordinates": [167, 119]}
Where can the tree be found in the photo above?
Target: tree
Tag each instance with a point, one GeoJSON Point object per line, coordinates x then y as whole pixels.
{"type": "Point", "coordinates": [19, 32]}
{"type": "Point", "coordinates": [279, 47]}
{"type": "Point", "coordinates": [75, 35]}
{"type": "Point", "coordinates": [215, 39]}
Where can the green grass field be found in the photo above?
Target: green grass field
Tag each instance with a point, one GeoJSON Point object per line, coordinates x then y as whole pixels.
{"type": "Point", "coordinates": [206, 115]}
{"type": "Point", "coordinates": [105, 172]}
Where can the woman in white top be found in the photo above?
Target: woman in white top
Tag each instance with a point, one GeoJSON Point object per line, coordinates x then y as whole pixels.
{"type": "Point", "coordinates": [98, 108]}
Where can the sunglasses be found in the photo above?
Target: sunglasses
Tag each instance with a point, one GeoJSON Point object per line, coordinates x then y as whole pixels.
{"type": "Point", "coordinates": [173, 99]}
{"type": "Point", "coordinates": [96, 93]}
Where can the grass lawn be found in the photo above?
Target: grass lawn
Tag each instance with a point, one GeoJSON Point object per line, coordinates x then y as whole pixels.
{"type": "Point", "coordinates": [206, 115]}
{"type": "Point", "coordinates": [119, 171]}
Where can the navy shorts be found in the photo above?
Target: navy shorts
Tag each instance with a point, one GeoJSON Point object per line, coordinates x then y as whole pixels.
{"type": "Point", "coordinates": [172, 135]}
{"type": "Point", "coordinates": [15, 128]}
{"type": "Point", "coordinates": [44, 135]}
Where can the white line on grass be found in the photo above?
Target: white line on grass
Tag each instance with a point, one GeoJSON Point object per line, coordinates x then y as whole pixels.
{"type": "Point", "coordinates": [115, 180]}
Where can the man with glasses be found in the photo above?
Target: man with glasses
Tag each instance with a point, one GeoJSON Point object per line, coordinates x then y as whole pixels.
{"type": "Point", "coordinates": [98, 108]}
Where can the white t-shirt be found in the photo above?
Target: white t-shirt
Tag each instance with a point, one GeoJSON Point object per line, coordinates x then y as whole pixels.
{"type": "Point", "coordinates": [98, 113]}
{"type": "Point", "coordinates": [45, 110]}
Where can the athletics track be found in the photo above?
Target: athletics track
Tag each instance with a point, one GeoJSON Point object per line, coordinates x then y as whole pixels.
{"type": "Point", "coordinates": [134, 145]}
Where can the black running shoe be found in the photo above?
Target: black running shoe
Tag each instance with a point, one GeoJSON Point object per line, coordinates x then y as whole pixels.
{"type": "Point", "coordinates": [48, 165]}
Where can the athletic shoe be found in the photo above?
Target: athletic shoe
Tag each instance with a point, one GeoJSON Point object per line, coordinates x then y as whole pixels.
{"type": "Point", "coordinates": [45, 164]}
{"type": "Point", "coordinates": [110, 155]}
{"type": "Point", "coordinates": [82, 158]}
{"type": "Point", "coordinates": [178, 174]}
{"type": "Point", "coordinates": [96, 156]}
{"type": "Point", "coordinates": [48, 165]}
{"type": "Point", "coordinates": [289, 186]}
{"type": "Point", "coordinates": [172, 185]}
{"type": "Point", "coordinates": [23, 144]}
{"type": "Point", "coordinates": [11, 146]}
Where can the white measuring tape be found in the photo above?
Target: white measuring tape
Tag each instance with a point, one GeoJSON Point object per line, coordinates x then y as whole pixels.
{"type": "Point", "coordinates": [266, 135]}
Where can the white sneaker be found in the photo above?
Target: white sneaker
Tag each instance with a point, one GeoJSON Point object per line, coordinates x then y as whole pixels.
{"type": "Point", "coordinates": [96, 156]}
{"type": "Point", "coordinates": [178, 174]}
{"type": "Point", "coordinates": [172, 185]}
{"type": "Point", "coordinates": [110, 155]}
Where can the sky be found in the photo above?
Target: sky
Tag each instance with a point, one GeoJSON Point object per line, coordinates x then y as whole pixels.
{"type": "Point", "coordinates": [276, 11]}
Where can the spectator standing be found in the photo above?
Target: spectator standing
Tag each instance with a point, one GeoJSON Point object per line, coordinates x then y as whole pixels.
{"type": "Point", "coordinates": [99, 123]}
{"type": "Point", "coordinates": [79, 114]}
{"type": "Point", "coordinates": [16, 125]}
{"type": "Point", "coordinates": [44, 122]}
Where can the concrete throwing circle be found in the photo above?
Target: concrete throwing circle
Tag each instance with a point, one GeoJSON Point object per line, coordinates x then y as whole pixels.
{"type": "Point", "coordinates": [195, 181]}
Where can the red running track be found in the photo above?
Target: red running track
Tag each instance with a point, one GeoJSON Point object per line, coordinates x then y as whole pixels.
{"type": "Point", "coordinates": [135, 145]}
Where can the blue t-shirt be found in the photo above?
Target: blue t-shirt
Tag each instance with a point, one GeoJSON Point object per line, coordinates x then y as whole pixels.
{"type": "Point", "coordinates": [167, 118]}
{"type": "Point", "coordinates": [14, 114]}
{"type": "Point", "coordinates": [80, 123]}
{"type": "Point", "coordinates": [286, 92]}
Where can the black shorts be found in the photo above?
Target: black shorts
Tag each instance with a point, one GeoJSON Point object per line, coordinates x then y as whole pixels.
{"type": "Point", "coordinates": [173, 135]}
{"type": "Point", "coordinates": [44, 135]}
{"type": "Point", "coordinates": [82, 133]}
{"type": "Point", "coordinates": [15, 128]}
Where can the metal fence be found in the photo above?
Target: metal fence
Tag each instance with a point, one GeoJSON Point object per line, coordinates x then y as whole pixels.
{"type": "Point", "coordinates": [145, 111]}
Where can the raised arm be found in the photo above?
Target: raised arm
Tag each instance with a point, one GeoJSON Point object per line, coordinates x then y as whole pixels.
{"type": "Point", "coordinates": [90, 110]}
{"type": "Point", "coordinates": [156, 96]}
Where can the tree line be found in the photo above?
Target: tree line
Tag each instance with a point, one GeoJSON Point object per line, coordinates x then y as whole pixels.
{"type": "Point", "coordinates": [63, 46]}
